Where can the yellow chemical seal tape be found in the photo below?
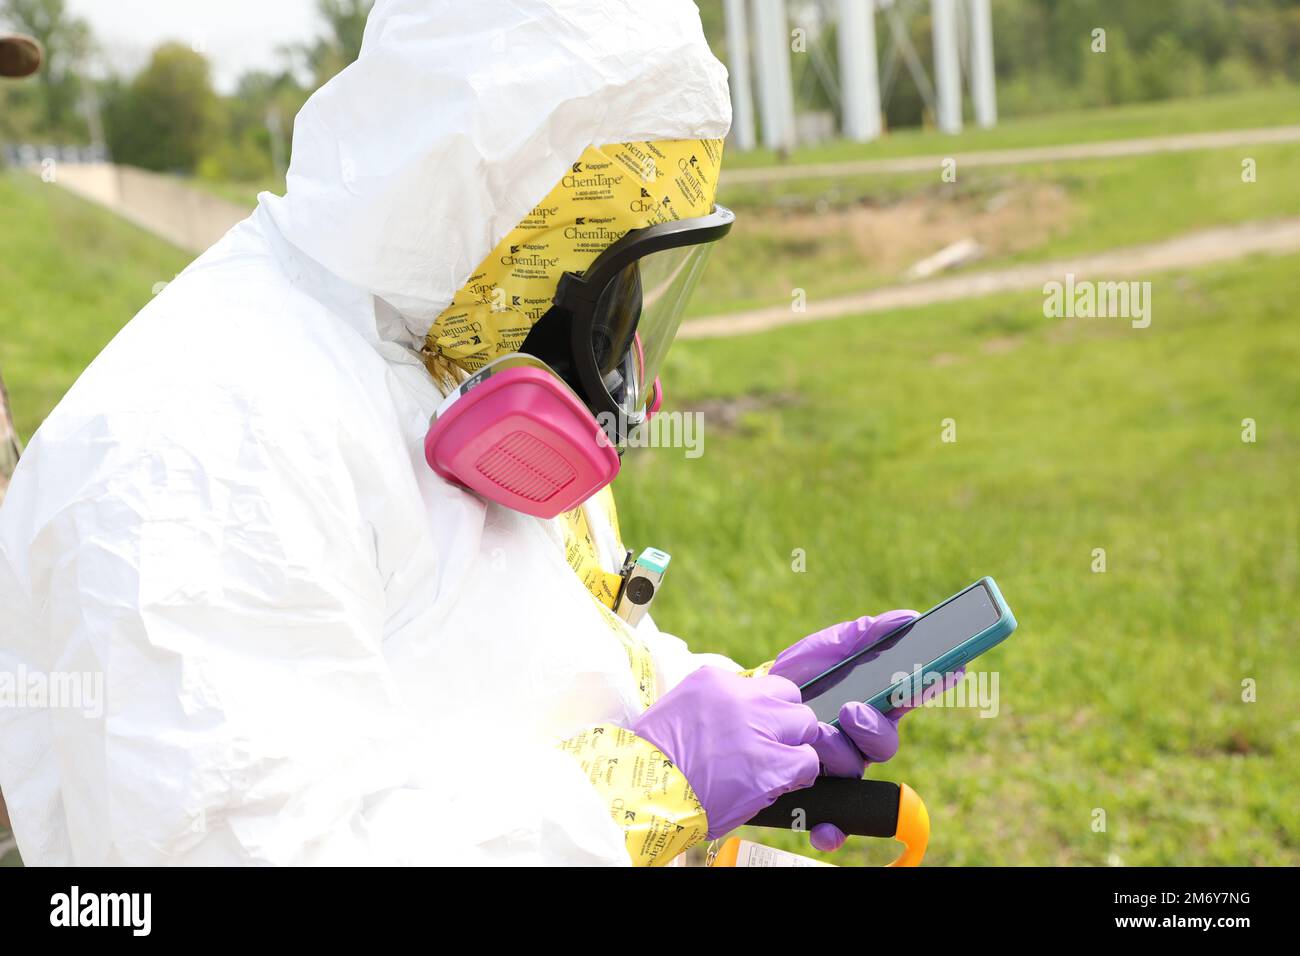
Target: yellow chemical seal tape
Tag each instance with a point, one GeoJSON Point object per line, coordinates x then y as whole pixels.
{"type": "Point", "coordinates": [607, 191]}
{"type": "Point", "coordinates": [647, 795]}
{"type": "Point", "coordinates": [581, 554]}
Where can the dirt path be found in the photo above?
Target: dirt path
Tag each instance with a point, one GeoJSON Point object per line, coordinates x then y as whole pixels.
{"type": "Point", "coordinates": [1204, 247]}
{"type": "Point", "coordinates": [1018, 157]}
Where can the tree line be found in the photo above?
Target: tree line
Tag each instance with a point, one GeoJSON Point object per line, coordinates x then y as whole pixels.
{"type": "Point", "coordinates": [168, 116]}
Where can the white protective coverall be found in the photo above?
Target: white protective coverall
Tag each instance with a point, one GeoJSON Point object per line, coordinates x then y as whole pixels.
{"type": "Point", "coordinates": [313, 649]}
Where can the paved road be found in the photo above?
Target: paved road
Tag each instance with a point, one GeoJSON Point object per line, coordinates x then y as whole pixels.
{"type": "Point", "coordinates": [1204, 247]}
{"type": "Point", "coordinates": [1181, 143]}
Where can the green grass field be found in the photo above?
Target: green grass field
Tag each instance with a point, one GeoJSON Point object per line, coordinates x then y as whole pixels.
{"type": "Point", "coordinates": [1121, 690]}
{"type": "Point", "coordinates": [70, 276]}
{"type": "Point", "coordinates": [1269, 106]}
{"type": "Point", "coordinates": [813, 239]}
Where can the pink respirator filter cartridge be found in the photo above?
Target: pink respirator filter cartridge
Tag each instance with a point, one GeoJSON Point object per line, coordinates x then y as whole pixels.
{"type": "Point", "coordinates": [523, 439]}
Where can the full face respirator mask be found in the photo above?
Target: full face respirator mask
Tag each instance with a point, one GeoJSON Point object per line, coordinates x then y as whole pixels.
{"type": "Point", "coordinates": [540, 430]}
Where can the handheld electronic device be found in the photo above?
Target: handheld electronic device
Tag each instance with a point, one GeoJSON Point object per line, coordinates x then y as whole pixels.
{"type": "Point", "coordinates": [895, 668]}
{"type": "Point", "coordinates": [641, 582]}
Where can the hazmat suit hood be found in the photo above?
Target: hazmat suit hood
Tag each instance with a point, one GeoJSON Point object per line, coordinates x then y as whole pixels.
{"type": "Point", "coordinates": [411, 164]}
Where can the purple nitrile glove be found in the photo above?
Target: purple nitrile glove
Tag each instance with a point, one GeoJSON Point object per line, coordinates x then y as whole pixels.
{"type": "Point", "coordinates": [741, 742]}
{"type": "Point", "coordinates": [865, 736]}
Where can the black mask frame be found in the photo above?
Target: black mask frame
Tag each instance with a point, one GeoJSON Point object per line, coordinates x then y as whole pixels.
{"type": "Point", "coordinates": [565, 336]}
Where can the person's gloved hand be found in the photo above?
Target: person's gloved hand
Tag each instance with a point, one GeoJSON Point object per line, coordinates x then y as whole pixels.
{"type": "Point", "coordinates": [865, 736]}
{"type": "Point", "coordinates": [741, 742]}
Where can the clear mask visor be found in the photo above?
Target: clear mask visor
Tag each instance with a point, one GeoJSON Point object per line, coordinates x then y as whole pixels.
{"type": "Point", "coordinates": [637, 317]}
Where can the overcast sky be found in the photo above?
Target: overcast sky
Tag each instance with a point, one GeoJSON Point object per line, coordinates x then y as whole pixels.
{"type": "Point", "coordinates": [236, 35]}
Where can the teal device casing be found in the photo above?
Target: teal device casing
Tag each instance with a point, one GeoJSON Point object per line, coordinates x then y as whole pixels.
{"type": "Point", "coordinates": [959, 656]}
{"type": "Point", "coordinates": [652, 559]}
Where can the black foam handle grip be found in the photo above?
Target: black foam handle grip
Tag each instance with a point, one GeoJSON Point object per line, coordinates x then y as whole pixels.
{"type": "Point", "coordinates": [858, 807]}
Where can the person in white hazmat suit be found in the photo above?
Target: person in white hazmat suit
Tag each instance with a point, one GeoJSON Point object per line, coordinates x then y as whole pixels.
{"type": "Point", "coordinates": [290, 639]}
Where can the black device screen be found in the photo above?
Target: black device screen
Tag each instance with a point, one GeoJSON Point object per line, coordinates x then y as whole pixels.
{"type": "Point", "coordinates": [910, 648]}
